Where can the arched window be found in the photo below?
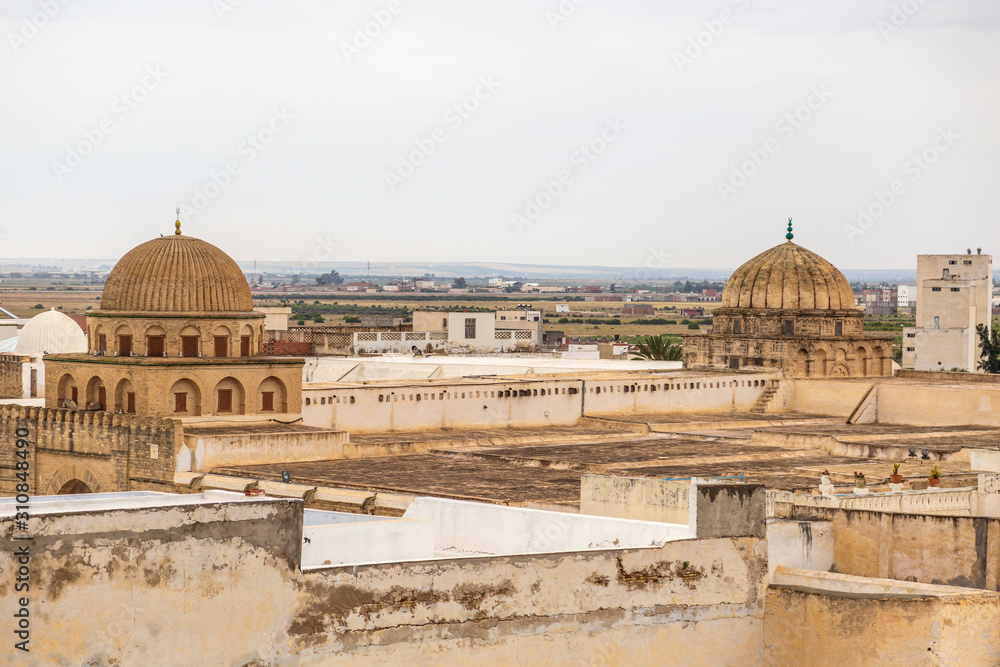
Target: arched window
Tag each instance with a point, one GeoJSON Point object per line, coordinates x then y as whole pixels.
{"type": "Point", "coordinates": [271, 396]}
{"type": "Point", "coordinates": [221, 340]}
{"type": "Point", "coordinates": [67, 390]}
{"type": "Point", "coordinates": [125, 397]}
{"type": "Point", "coordinates": [184, 399]}
{"type": "Point", "coordinates": [229, 397]}
{"type": "Point", "coordinates": [97, 395]}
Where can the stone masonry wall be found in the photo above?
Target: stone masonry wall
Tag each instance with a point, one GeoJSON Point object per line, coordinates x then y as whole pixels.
{"type": "Point", "coordinates": [108, 452]}
{"type": "Point", "coordinates": [11, 375]}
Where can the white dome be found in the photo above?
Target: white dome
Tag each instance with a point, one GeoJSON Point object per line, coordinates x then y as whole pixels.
{"type": "Point", "coordinates": [51, 333]}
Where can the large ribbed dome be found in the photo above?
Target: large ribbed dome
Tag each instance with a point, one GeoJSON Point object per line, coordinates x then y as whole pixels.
{"type": "Point", "coordinates": [51, 332]}
{"type": "Point", "coordinates": [176, 274]}
{"type": "Point", "coordinates": [788, 277]}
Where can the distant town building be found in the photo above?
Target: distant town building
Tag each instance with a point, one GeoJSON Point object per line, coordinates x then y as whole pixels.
{"type": "Point", "coordinates": [955, 294]}
{"type": "Point", "coordinates": [906, 295]}
{"type": "Point", "coordinates": [562, 307]}
{"type": "Point", "coordinates": [637, 309]}
{"type": "Point", "coordinates": [692, 312]}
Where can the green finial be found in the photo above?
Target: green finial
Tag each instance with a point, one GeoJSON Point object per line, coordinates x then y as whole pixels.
{"type": "Point", "coordinates": [789, 235]}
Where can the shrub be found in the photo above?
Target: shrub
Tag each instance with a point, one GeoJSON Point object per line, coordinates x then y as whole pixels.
{"type": "Point", "coordinates": [694, 325]}
{"type": "Point", "coordinates": [38, 306]}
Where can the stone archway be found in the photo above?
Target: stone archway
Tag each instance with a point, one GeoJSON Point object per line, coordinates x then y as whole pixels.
{"type": "Point", "coordinates": [801, 363]}
{"type": "Point", "coordinates": [861, 361]}
{"type": "Point", "coordinates": [74, 477]}
{"type": "Point", "coordinates": [819, 363]}
{"type": "Point", "coordinates": [74, 487]}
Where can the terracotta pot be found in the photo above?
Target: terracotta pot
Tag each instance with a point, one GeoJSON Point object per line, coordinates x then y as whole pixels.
{"type": "Point", "coordinates": [896, 479]}
{"type": "Point", "coordinates": [934, 481]}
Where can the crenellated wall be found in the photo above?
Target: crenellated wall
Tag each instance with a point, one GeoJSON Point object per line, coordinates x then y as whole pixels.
{"type": "Point", "coordinates": [105, 451]}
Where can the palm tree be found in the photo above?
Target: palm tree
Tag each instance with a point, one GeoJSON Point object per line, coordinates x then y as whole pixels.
{"type": "Point", "coordinates": [658, 348]}
{"type": "Point", "coordinates": [989, 343]}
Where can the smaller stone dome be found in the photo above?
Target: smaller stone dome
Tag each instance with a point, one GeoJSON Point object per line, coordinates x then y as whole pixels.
{"type": "Point", "coordinates": [51, 333]}
{"type": "Point", "coordinates": [788, 277]}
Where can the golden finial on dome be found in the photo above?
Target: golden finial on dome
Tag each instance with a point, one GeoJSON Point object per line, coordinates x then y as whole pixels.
{"type": "Point", "coordinates": [177, 223]}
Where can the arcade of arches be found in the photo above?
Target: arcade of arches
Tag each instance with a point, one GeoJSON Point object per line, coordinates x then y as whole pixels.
{"type": "Point", "coordinates": [130, 386]}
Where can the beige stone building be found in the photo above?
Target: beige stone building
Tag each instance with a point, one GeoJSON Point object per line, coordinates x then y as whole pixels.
{"type": "Point", "coordinates": [954, 298]}
{"type": "Point", "coordinates": [177, 336]}
{"type": "Point", "coordinates": [791, 309]}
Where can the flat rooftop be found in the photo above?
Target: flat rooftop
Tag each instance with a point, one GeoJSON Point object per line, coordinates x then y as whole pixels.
{"type": "Point", "coordinates": [544, 466]}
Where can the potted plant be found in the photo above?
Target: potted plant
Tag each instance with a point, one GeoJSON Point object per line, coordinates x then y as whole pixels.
{"type": "Point", "coordinates": [895, 477]}
{"type": "Point", "coordinates": [859, 484]}
{"type": "Point", "coordinates": [935, 477]}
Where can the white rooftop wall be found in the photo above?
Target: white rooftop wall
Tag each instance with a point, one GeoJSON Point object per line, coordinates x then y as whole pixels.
{"type": "Point", "coordinates": [469, 528]}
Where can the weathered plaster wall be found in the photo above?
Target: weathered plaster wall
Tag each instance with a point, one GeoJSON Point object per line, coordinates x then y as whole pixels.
{"type": "Point", "coordinates": [534, 402]}
{"type": "Point", "coordinates": [931, 404]}
{"type": "Point", "coordinates": [173, 585]}
{"type": "Point", "coordinates": [806, 545]}
{"type": "Point", "coordinates": [204, 452]}
{"type": "Point", "coordinates": [639, 498]}
{"type": "Point", "coordinates": [805, 626]}
{"type": "Point", "coordinates": [715, 392]}
{"type": "Point", "coordinates": [648, 606]}
{"type": "Point", "coordinates": [953, 550]}
{"type": "Point", "coordinates": [934, 404]}
{"type": "Point", "coordinates": [463, 404]}
{"type": "Point", "coordinates": [825, 397]}
{"type": "Point", "coordinates": [214, 585]}
{"type": "Point", "coordinates": [710, 509]}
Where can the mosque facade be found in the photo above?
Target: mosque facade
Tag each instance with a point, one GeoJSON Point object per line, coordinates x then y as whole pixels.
{"type": "Point", "coordinates": [790, 309]}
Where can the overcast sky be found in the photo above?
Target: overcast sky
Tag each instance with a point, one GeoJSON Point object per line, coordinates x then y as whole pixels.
{"type": "Point", "coordinates": [628, 133]}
